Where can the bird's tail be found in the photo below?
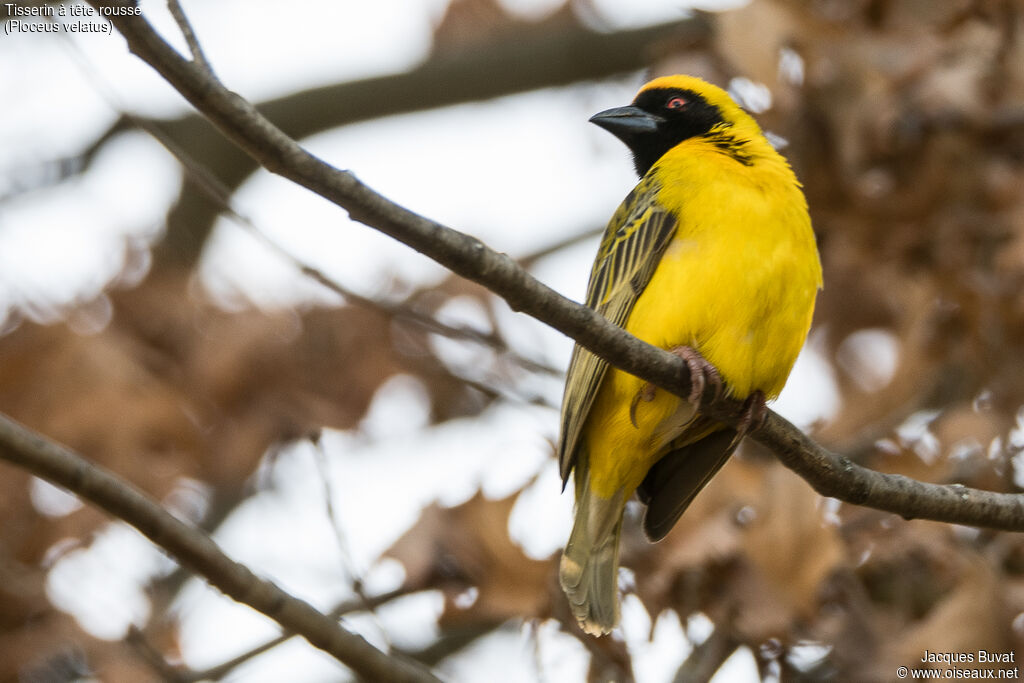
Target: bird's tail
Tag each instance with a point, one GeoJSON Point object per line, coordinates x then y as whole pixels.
{"type": "Point", "coordinates": [590, 564]}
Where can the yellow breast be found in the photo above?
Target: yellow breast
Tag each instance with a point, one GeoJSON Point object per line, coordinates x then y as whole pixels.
{"type": "Point", "coordinates": [737, 283]}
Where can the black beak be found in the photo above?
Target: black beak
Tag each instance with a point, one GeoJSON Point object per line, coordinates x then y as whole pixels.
{"type": "Point", "coordinates": [627, 122]}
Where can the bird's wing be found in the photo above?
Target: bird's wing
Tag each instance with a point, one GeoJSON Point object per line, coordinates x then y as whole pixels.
{"type": "Point", "coordinates": [675, 480]}
{"type": "Point", "coordinates": [630, 250]}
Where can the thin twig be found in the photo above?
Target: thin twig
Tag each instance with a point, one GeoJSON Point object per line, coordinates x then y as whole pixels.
{"type": "Point", "coordinates": [527, 260]}
{"type": "Point", "coordinates": [185, 26]}
{"type": "Point", "coordinates": [706, 659]}
{"type": "Point", "coordinates": [156, 661]}
{"type": "Point", "coordinates": [344, 550]}
{"type": "Point", "coordinates": [830, 474]}
{"type": "Point", "coordinates": [453, 639]}
{"type": "Point", "coordinates": [221, 670]}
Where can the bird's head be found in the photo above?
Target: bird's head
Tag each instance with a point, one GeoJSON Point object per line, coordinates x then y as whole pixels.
{"type": "Point", "coordinates": [669, 110]}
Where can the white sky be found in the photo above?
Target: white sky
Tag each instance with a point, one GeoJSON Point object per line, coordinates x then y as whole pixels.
{"type": "Point", "coordinates": [492, 173]}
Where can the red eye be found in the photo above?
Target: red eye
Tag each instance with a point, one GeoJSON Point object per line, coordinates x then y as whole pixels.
{"type": "Point", "coordinates": [675, 103]}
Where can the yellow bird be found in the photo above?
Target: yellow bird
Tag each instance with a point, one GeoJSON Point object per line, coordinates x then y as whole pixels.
{"type": "Point", "coordinates": [711, 256]}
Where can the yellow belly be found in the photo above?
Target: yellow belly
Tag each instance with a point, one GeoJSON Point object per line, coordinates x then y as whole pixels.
{"type": "Point", "coordinates": [738, 284]}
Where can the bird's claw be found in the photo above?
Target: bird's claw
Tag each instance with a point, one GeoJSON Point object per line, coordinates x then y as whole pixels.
{"type": "Point", "coordinates": [646, 394]}
{"type": "Point", "coordinates": [752, 415]}
{"type": "Point", "coordinates": [703, 377]}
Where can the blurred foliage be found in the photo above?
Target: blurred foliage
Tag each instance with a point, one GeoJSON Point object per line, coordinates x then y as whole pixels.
{"type": "Point", "coordinates": [905, 120]}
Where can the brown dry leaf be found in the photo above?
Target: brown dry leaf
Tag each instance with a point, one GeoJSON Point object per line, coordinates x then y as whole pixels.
{"type": "Point", "coordinates": [971, 617]}
{"type": "Point", "coordinates": [967, 433]}
{"type": "Point", "coordinates": [468, 546]}
{"type": "Point", "coordinates": [45, 646]}
{"type": "Point", "coordinates": [906, 568]}
{"type": "Point", "coordinates": [756, 555]}
{"type": "Point", "coordinates": [673, 574]}
{"type": "Point", "coordinates": [753, 548]}
{"type": "Point", "coordinates": [1013, 602]}
{"type": "Point", "coordinates": [98, 395]}
{"type": "Point", "coordinates": [791, 550]}
{"type": "Point", "coordinates": [199, 393]}
{"type": "Point", "coordinates": [475, 23]}
{"type": "Point", "coordinates": [752, 39]}
{"type": "Point", "coordinates": [469, 23]}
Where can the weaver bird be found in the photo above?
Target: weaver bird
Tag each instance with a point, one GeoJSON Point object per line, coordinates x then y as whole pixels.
{"type": "Point", "coordinates": [710, 256]}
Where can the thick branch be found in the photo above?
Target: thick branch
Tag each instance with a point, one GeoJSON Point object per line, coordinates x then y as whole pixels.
{"type": "Point", "coordinates": [830, 474]}
{"type": "Point", "coordinates": [197, 551]}
{"type": "Point", "coordinates": [836, 476]}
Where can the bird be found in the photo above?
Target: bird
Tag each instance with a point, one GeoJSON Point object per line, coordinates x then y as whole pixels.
{"type": "Point", "coordinates": [712, 257]}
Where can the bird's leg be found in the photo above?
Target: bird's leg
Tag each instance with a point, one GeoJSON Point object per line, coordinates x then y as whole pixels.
{"type": "Point", "coordinates": [703, 375]}
{"type": "Point", "coordinates": [753, 413]}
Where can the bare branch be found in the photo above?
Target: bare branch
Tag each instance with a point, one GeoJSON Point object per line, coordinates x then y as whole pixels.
{"type": "Point", "coordinates": [452, 640]}
{"type": "Point", "coordinates": [529, 259]}
{"type": "Point", "coordinates": [340, 540]}
{"type": "Point", "coordinates": [706, 659]}
{"type": "Point", "coordinates": [836, 476]}
{"type": "Point", "coordinates": [193, 549]}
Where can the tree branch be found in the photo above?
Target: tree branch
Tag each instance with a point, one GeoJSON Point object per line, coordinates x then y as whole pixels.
{"type": "Point", "coordinates": [704, 661]}
{"type": "Point", "coordinates": [198, 56]}
{"type": "Point", "coordinates": [195, 550]}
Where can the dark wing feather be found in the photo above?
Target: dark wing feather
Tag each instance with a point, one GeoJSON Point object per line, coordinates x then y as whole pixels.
{"type": "Point", "coordinates": [630, 250]}
{"type": "Point", "coordinates": [676, 479]}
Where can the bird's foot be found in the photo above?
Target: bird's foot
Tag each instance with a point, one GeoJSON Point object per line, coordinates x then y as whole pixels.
{"type": "Point", "coordinates": [751, 415]}
{"type": "Point", "coordinates": [704, 378]}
